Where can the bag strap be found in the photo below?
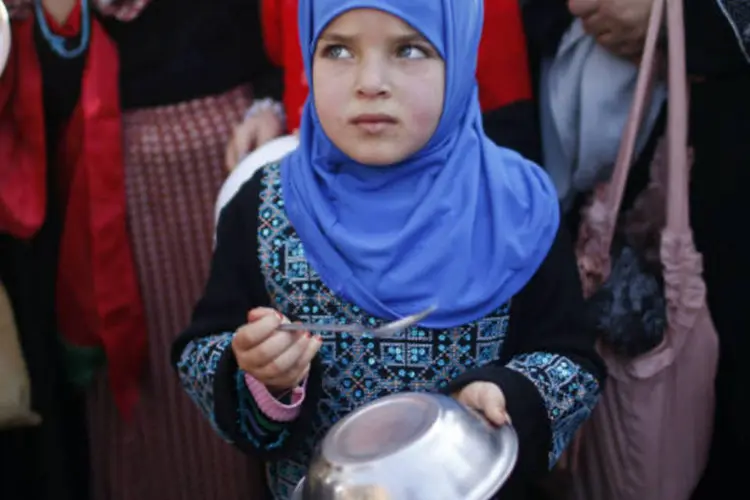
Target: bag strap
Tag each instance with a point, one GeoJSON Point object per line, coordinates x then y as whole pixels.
{"type": "Point", "coordinates": [678, 188]}
{"type": "Point", "coordinates": [612, 193]}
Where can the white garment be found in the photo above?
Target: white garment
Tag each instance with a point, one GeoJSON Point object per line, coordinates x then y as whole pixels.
{"type": "Point", "coordinates": [268, 153]}
{"type": "Point", "coordinates": [4, 36]}
{"type": "Point", "coordinates": [585, 98]}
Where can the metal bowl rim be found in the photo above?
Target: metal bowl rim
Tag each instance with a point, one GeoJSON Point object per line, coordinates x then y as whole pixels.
{"type": "Point", "coordinates": [497, 474]}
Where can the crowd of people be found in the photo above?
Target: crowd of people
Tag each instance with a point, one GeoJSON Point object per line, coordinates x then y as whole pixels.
{"type": "Point", "coordinates": [418, 175]}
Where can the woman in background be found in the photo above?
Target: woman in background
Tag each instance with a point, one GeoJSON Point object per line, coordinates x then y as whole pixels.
{"type": "Point", "coordinates": [126, 105]}
{"type": "Point", "coordinates": [718, 62]}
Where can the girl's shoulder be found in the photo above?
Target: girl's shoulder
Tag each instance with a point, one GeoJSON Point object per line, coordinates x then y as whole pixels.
{"type": "Point", "coordinates": [245, 188]}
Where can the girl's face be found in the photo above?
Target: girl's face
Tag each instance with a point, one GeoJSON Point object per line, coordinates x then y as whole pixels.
{"type": "Point", "coordinates": [378, 86]}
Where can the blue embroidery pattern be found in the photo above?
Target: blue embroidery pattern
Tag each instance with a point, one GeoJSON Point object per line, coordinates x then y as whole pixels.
{"type": "Point", "coordinates": [196, 369]}
{"type": "Point", "coordinates": [356, 370]}
{"type": "Point", "coordinates": [570, 394]}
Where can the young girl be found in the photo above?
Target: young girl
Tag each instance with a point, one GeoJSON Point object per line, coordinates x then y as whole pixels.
{"type": "Point", "coordinates": [395, 200]}
{"type": "Point", "coordinates": [503, 77]}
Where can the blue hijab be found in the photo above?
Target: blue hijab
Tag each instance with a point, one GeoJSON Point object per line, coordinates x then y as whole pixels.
{"type": "Point", "coordinates": [462, 223]}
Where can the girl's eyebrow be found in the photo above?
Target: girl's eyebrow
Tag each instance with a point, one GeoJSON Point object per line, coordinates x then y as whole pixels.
{"type": "Point", "coordinates": [337, 38]}
{"type": "Point", "coordinates": [349, 39]}
{"type": "Point", "coordinates": [410, 38]}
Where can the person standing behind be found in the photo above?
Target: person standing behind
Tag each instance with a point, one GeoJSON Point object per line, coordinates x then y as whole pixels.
{"type": "Point", "coordinates": [718, 62]}
{"type": "Point", "coordinates": [112, 132]}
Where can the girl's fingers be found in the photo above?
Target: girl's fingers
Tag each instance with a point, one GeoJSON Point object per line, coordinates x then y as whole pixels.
{"type": "Point", "coordinates": [255, 333]}
{"type": "Point", "coordinates": [496, 415]}
{"type": "Point", "coordinates": [303, 362]}
{"type": "Point", "coordinates": [276, 344]}
{"type": "Point", "coordinates": [283, 361]}
{"type": "Point", "coordinates": [486, 398]}
{"type": "Point", "coordinates": [301, 367]}
{"type": "Point", "coordinates": [262, 312]}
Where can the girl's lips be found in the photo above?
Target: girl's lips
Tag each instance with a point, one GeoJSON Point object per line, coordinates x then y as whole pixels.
{"type": "Point", "coordinates": [373, 123]}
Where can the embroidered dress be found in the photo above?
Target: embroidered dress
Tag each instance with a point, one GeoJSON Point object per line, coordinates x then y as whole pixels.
{"type": "Point", "coordinates": [356, 370]}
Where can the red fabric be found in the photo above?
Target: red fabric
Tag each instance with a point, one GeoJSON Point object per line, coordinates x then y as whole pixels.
{"type": "Point", "coordinates": [502, 72]}
{"type": "Point", "coordinates": [281, 37]}
{"type": "Point", "coordinates": [22, 153]}
{"type": "Point", "coordinates": [98, 301]}
{"type": "Point", "coordinates": [503, 67]}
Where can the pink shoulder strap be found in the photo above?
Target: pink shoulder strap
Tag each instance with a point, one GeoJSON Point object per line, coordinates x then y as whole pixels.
{"type": "Point", "coordinates": [609, 197]}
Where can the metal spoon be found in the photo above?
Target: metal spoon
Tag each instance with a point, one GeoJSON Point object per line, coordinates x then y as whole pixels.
{"type": "Point", "coordinates": [387, 330]}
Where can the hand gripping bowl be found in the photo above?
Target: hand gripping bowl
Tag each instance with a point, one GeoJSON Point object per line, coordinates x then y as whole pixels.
{"type": "Point", "coordinates": [4, 36]}
{"type": "Point", "coordinates": [411, 446]}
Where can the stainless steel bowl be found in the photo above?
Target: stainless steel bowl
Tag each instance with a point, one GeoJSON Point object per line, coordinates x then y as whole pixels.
{"type": "Point", "coordinates": [4, 36]}
{"type": "Point", "coordinates": [411, 446]}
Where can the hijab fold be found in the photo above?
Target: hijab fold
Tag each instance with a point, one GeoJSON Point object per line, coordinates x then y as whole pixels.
{"type": "Point", "coordinates": [462, 224]}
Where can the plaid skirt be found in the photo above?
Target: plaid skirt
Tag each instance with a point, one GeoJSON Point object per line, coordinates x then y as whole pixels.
{"type": "Point", "coordinates": [174, 161]}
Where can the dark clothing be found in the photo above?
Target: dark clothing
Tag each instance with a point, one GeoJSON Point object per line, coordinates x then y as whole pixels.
{"type": "Point", "coordinates": [173, 53]}
{"type": "Point", "coordinates": [239, 282]}
{"type": "Point", "coordinates": [719, 121]}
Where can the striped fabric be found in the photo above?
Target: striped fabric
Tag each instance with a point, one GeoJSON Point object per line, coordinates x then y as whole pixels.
{"type": "Point", "coordinates": [197, 371]}
{"type": "Point", "coordinates": [271, 406]}
{"type": "Point", "coordinates": [174, 168]}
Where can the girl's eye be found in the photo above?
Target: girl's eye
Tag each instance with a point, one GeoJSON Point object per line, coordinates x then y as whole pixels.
{"type": "Point", "coordinates": [336, 52]}
{"type": "Point", "coordinates": [412, 52]}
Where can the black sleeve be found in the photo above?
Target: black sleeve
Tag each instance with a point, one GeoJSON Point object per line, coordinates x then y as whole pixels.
{"type": "Point", "coordinates": [202, 354]}
{"type": "Point", "coordinates": [235, 283]}
{"type": "Point", "coordinates": [550, 372]}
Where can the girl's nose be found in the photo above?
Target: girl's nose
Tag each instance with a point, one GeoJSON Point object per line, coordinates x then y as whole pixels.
{"type": "Point", "coordinates": [372, 79]}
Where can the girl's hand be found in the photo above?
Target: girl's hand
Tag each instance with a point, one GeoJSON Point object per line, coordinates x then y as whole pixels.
{"type": "Point", "coordinates": [255, 131]}
{"type": "Point", "coordinates": [278, 359]}
{"type": "Point", "coordinates": [486, 398]}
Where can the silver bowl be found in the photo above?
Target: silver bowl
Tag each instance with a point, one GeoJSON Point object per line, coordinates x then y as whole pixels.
{"type": "Point", "coordinates": [411, 446]}
{"type": "Point", "coordinates": [4, 36]}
